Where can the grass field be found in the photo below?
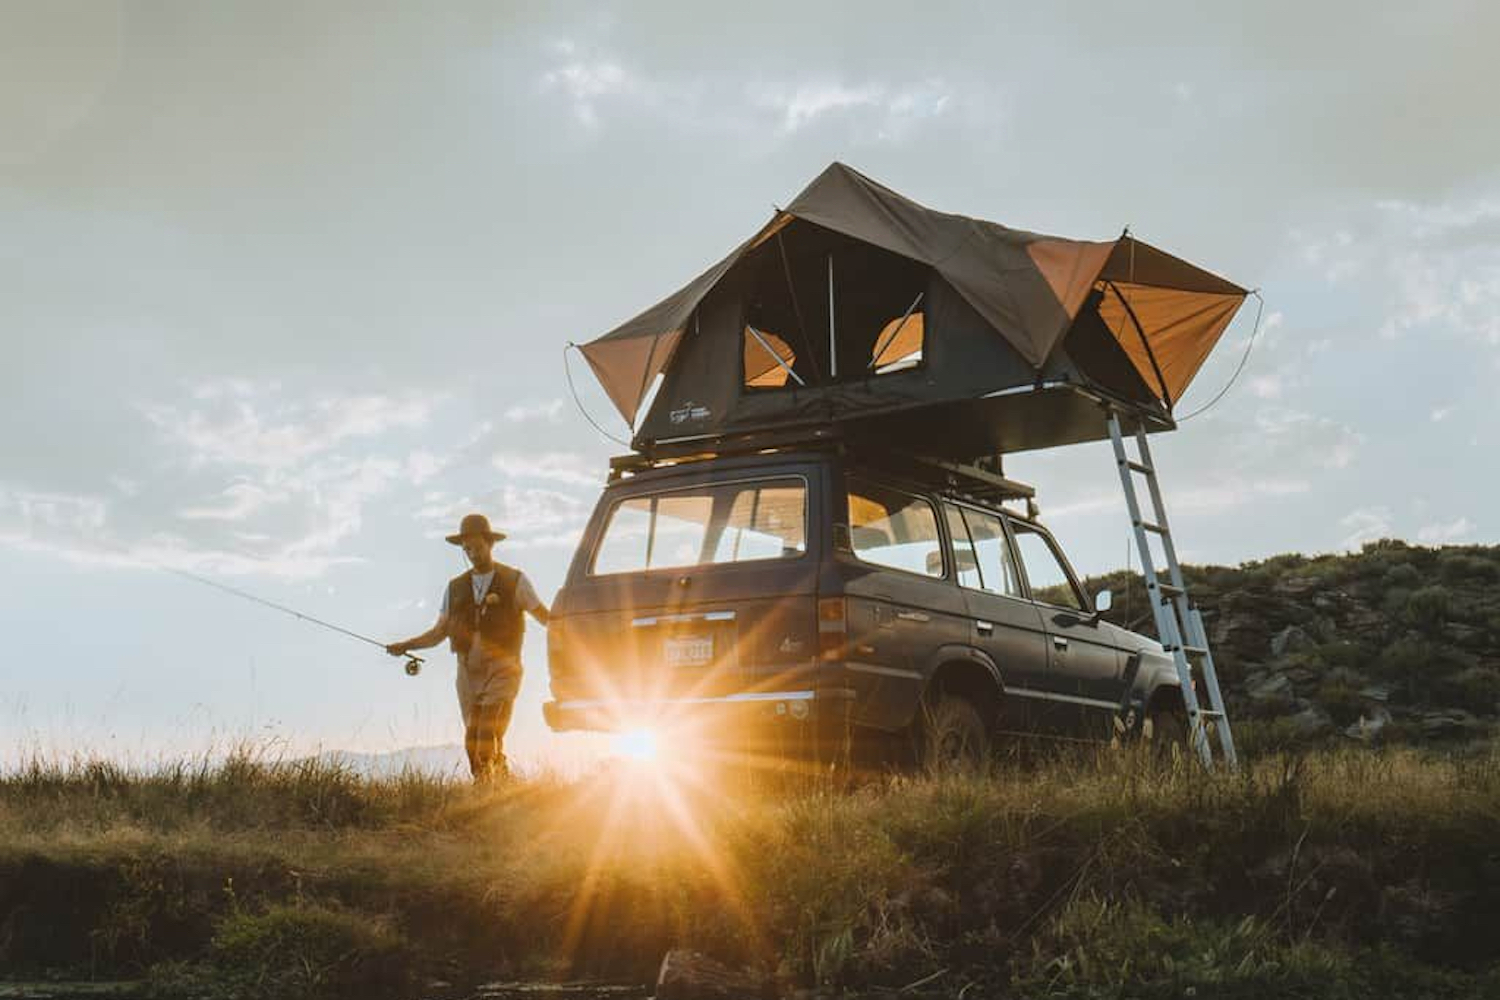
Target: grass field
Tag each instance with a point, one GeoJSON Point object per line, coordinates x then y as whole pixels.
{"type": "Point", "coordinates": [1334, 874]}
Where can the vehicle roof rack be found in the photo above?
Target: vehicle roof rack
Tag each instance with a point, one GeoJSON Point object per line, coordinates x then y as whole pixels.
{"type": "Point", "coordinates": [982, 479]}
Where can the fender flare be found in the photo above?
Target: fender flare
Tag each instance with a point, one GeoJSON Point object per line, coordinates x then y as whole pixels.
{"type": "Point", "coordinates": [957, 651]}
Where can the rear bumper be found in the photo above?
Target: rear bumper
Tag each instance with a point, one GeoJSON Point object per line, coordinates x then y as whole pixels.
{"type": "Point", "coordinates": [765, 707]}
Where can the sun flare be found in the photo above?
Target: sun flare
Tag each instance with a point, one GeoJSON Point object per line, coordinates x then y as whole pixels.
{"type": "Point", "coordinates": [642, 746]}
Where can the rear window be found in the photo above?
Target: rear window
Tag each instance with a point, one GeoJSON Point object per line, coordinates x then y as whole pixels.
{"type": "Point", "coordinates": [705, 526]}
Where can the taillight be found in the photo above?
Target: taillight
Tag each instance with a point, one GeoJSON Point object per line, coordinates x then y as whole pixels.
{"type": "Point", "coordinates": [833, 627]}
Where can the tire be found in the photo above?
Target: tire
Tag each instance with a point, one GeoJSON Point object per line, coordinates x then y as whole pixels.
{"type": "Point", "coordinates": [955, 739]}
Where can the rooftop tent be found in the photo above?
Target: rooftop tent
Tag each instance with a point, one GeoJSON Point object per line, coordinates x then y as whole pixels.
{"type": "Point", "coordinates": [936, 332]}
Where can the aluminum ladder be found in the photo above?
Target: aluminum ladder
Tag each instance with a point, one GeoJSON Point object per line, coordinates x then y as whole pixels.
{"type": "Point", "coordinates": [1178, 623]}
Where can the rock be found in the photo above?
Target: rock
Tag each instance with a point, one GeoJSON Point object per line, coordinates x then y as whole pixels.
{"type": "Point", "coordinates": [1270, 686]}
{"type": "Point", "coordinates": [1299, 586]}
{"type": "Point", "coordinates": [1447, 723]}
{"type": "Point", "coordinates": [1345, 676]}
{"type": "Point", "coordinates": [1300, 676]}
{"type": "Point", "coordinates": [1291, 639]}
{"type": "Point", "coordinates": [692, 975]}
{"type": "Point", "coordinates": [1369, 726]}
{"type": "Point", "coordinates": [1466, 635]}
{"type": "Point", "coordinates": [1309, 720]}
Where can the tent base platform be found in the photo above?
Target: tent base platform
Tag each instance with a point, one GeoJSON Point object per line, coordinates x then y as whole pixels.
{"type": "Point", "coordinates": [1045, 416]}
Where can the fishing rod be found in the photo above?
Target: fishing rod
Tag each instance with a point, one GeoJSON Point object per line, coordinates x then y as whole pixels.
{"type": "Point", "coordinates": [413, 663]}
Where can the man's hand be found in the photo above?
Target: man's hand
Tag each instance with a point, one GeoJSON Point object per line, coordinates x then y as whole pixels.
{"type": "Point", "coordinates": [397, 648]}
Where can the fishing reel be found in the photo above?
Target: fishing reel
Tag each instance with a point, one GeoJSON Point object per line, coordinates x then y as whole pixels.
{"type": "Point", "coordinates": [413, 665]}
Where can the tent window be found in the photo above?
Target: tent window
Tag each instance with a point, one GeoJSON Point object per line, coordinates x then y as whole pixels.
{"type": "Point", "coordinates": [769, 359]}
{"type": "Point", "coordinates": [899, 345]}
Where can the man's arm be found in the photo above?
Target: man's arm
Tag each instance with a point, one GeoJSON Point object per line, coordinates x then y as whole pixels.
{"type": "Point", "coordinates": [530, 603]}
{"type": "Point", "coordinates": [426, 640]}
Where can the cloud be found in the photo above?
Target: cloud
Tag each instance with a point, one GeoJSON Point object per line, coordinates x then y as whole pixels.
{"type": "Point", "coordinates": [891, 112]}
{"type": "Point", "coordinates": [549, 410]}
{"type": "Point", "coordinates": [531, 517]}
{"type": "Point", "coordinates": [1441, 533]}
{"type": "Point", "coordinates": [241, 423]}
{"type": "Point", "coordinates": [1365, 524]}
{"type": "Point", "coordinates": [251, 482]}
{"type": "Point", "coordinates": [594, 81]}
{"type": "Point", "coordinates": [587, 80]}
{"type": "Point", "coordinates": [240, 501]}
{"type": "Point", "coordinates": [570, 468]}
{"type": "Point", "coordinates": [1433, 268]}
{"type": "Point", "coordinates": [82, 530]}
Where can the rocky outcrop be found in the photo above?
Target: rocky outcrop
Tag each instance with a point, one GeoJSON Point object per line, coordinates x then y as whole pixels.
{"type": "Point", "coordinates": [1395, 642]}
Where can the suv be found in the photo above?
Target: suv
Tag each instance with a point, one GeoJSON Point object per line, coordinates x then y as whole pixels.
{"type": "Point", "coordinates": [807, 594]}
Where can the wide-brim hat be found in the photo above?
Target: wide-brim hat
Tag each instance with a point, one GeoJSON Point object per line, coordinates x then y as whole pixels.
{"type": "Point", "coordinates": [475, 525]}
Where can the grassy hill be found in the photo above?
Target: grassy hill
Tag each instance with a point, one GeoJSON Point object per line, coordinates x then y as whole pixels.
{"type": "Point", "coordinates": [1344, 873]}
{"type": "Point", "coordinates": [1396, 643]}
{"type": "Point", "coordinates": [1344, 860]}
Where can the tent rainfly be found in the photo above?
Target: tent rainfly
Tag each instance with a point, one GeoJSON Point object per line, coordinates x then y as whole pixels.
{"type": "Point", "coordinates": [936, 332]}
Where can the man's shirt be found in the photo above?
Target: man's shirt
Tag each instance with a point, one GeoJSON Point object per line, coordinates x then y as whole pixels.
{"type": "Point", "coordinates": [525, 593]}
{"type": "Point", "coordinates": [526, 599]}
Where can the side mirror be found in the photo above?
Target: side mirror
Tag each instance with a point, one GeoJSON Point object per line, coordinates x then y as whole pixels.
{"type": "Point", "coordinates": [1103, 601]}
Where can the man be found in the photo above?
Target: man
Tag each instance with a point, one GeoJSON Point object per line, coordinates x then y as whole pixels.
{"type": "Point", "coordinates": [483, 619]}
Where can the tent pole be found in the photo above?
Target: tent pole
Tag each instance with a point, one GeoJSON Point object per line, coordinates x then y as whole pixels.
{"type": "Point", "coordinates": [833, 347]}
{"type": "Point", "coordinates": [1166, 394]}
{"type": "Point", "coordinates": [772, 352]}
{"type": "Point", "coordinates": [880, 347]}
{"type": "Point", "coordinates": [791, 287]}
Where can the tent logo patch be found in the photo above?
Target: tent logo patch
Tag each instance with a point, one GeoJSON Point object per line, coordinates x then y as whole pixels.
{"type": "Point", "coordinates": [690, 412]}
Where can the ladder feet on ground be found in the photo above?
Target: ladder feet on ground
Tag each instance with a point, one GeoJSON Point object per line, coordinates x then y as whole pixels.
{"type": "Point", "coordinates": [1179, 626]}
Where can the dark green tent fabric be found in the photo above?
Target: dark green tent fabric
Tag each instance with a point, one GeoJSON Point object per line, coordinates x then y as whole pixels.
{"type": "Point", "coordinates": [1151, 318]}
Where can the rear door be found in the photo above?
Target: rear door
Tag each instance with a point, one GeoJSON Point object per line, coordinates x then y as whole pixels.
{"type": "Point", "coordinates": [902, 604]}
{"type": "Point", "coordinates": [698, 588]}
{"type": "Point", "coordinates": [1004, 624]}
{"type": "Point", "coordinates": [1083, 655]}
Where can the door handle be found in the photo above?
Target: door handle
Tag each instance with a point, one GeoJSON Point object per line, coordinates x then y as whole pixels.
{"type": "Point", "coordinates": [1060, 642]}
{"type": "Point", "coordinates": [984, 628]}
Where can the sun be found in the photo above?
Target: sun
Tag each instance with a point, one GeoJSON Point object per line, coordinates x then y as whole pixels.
{"type": "Point", "coordinates": [642, 746]}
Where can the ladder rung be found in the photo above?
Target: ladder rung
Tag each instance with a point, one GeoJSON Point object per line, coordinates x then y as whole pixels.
{"type": "Point", "coordinates": [1147, 525]}
{"type": "Point", "coordinates": [1209, 713]}
{"type": "Point", "coordinates": [1195, 650]}
{"type": "Point", "coordinates": [1141, 467]}
{"type": "Point", "coordinates": [1170, 590]}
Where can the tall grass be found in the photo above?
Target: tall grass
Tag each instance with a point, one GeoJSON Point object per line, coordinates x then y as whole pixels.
{"type": "Point", "coordinates": [1091, 874]}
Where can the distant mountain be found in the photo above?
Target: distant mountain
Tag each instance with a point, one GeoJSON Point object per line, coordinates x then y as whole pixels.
{"type": "Point", "coordinates": [1396, 642]}
{"type": "Point", "coordinates": [447, 760]}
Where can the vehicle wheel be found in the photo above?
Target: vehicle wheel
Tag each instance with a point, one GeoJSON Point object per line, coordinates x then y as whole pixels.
{"type": "Point", "coordinates": [1165, 732]}
{"type": "Point", "coordinates": [954, 737]}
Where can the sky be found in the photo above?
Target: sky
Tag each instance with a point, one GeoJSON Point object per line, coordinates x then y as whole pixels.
{"type": "Point", "coordinates": [284, 292]}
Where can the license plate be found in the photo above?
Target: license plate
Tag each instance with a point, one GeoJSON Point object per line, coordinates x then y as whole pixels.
{"type": "Point", "coordinates": [688, 650]}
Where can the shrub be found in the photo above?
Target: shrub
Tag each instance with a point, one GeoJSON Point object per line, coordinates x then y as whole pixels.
{"type": "Point", "coordinates": [1475, 689]}
{"type": "Point", "coordinates": [1404, 576]}
{"type": "Point", "coordinates": [1457, 567]}
{"type": "Point", "coordinates": [1395, 601]}
{"type": "Point", "coordinates": [1428, 608]}
{"type": "Point", "coordinates": [309, 950]}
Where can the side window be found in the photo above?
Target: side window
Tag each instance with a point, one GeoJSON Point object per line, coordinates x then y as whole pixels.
{"type": "Point", "coordinates": [964, 558]}
{"type": "Point", "coordinates": [890, 528]}
{"type": "Point", "coordinates": [769, 360]}
{"type": "Point", "coordinates": [1050, 583]}
{"type": "Point", "coordinates": [997, 567]}
{"type": "Point", "coordinates": [899, 344]}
